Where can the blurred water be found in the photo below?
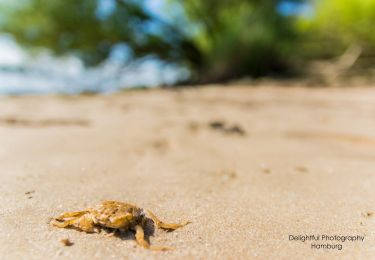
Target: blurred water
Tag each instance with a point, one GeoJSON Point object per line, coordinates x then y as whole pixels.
{"type": "Point", "coordinates": [21, 74]}
{"type": "Point", "coordinates": [106, 79]}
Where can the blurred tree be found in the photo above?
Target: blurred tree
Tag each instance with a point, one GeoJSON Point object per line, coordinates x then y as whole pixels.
{"type": "Point", "coordinates": [241, 37]}
{"type": "Point", "coordinates": [222, 40]}
{"type": "Point", "coordinates": [79, 27]}
{"type": "Point", "coordinates": [337, 25]}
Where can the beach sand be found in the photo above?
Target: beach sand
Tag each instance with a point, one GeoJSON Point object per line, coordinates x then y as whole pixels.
{"type": "Point", "coordinates": [247, 166]}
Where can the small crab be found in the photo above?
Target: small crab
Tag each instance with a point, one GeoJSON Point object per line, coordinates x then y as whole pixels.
{"type": "Point", "coordinates": [114, 215]}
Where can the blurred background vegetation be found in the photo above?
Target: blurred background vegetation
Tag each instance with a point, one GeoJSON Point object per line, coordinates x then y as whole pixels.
{"type": "Point", "coordinates": [216, 40]}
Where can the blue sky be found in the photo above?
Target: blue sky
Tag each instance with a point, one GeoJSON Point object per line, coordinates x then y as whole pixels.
{"type": "Point", "coordinates": [154, 6]}
{"type": "Point", "coordinates": [293, 8]}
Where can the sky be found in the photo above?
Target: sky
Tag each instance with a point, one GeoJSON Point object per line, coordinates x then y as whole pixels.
{"type": "Point", "coordinates": [293, 8]}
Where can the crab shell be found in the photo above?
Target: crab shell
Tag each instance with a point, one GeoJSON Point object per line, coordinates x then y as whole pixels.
{"type": "Point", "coordinates": [110, 214]}
{"type": "Point", "coordinates": [118, 215]}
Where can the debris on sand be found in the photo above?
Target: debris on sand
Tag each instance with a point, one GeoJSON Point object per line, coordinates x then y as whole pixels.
{"type": "Point", "coordinates": [367, 214]}
{"type": "Point", "coordinates": [235, 130]}
{"type": "Point", "coordinates": [29, 194]}
{"type": "Point", "coordinates": [217, 125]}
{"type": "Point", "coordinates": [66, 242]}
{"type": "Point", "coordinates": [161, 144]}
{"type": "Point", "coordinates": [228, 175]}
{"type": "Point", "coordinates": [193, 126]}
{"type": "Point", "coordinates": [223, 127]}
{"type": "Point", "coordinates": [266, 170]}
{"type": "Point", "coordinates": [301, 169]}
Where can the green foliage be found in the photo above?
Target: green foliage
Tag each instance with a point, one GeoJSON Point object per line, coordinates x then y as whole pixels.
{"type": "Point", "coordinates": [239, 38]}
{"type": "Point", "coordinates": [231, 38]}
{"type": "Point", "coordinates": [74, 26]}
{"type": "Point", "coordinates": [337, 24]}
{"type": "Point", "coordinates": [217, 39]}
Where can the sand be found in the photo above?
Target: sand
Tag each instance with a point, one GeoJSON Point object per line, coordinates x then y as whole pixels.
{"type": "Point", "coordinates": [302, 164]}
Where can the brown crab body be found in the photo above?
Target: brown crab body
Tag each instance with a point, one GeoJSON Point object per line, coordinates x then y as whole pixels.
{"type": "Point", "coordinates": [114, 215]}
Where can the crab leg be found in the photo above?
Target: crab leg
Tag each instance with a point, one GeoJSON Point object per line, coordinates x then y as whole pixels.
{"type": "Point", "coordinates": [74, 217]}
{"type": "Point", "coordinates": [77, 219]}
{"type": "Point", "coordinates": [161, 224]}
{"type": "Point", "coordinates": [65, 223]}
{"type": "Point", "coordinates": [140, 238]}
{"type": "Point", "coordinates": [74, 214]}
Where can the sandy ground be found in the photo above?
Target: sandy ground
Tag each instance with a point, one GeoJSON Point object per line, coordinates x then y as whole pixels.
{"type": "Point", "coordinates": [288, 161]}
